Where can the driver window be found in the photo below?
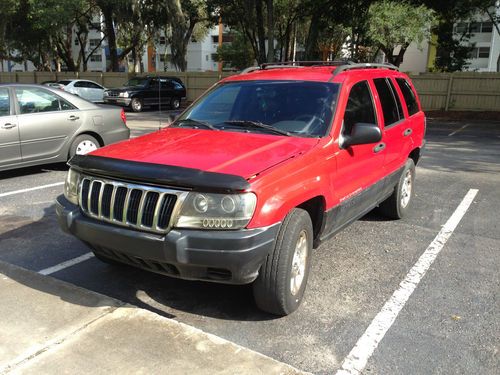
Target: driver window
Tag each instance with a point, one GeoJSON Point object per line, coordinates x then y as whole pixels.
{"type": "Point", "coordinates": [4, 102]}
{"type": "Point", "coordinates": [359, 107]}
{"type": "Point", "coordinates": [34, 100]}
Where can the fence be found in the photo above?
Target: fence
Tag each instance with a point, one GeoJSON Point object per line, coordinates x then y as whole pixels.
{"type": "Point", "coordinates": [437, 91]}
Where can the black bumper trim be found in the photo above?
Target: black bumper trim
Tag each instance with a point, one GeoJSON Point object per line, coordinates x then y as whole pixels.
{"type": "Point", "coordinates": [189, 178]}
{"type": "Point", "coordinates": [232, 257]}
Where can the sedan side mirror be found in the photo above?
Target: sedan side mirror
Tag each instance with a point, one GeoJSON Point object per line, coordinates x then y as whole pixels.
{"type": "Point", "coordinates": [362, 133]}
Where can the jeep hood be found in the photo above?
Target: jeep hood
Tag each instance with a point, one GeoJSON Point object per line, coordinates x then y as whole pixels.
{"type": "Point", "coordinates": [236, 153]}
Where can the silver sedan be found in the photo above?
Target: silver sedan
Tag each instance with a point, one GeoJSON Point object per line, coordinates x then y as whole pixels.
{"type": "Point", "coordinates": [86, 89]}
{"type": "Point", "coordinates": [41, 125]}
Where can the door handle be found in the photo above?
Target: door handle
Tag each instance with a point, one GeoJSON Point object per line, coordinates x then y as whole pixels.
{"type": "Point", "coordinates": [379, 147]}
{"type": "Point", "coordinates": [73, 118]}
{"type": "Point", "coordinates": [8, 126]}
{"type": "Point", "coordinates": [407, 132]}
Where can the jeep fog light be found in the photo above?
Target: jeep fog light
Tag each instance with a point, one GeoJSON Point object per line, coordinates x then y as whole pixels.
{"type": "Point", "coordinates": [71, 186]}
{"type": "Point", "coordinates": [216, 211]}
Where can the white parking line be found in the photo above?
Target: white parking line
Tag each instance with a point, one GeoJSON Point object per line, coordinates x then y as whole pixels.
{"type": "Point", "coordinates": [357, 359]}
{"type": "Point", "coordinates": [68, 263]}
{"type": "Point", "coordinates": [30, 189]}
{"type": "Point", "coordinates": [458, 130]}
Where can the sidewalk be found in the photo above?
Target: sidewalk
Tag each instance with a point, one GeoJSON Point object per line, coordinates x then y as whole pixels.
{"type": "Point", "coordinates": [48, 326]}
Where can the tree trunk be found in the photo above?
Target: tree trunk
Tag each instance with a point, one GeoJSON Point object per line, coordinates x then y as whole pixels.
{"type": "Point", "coordinates": [107, 12]}
{"type": "Point", "coordinates": [311, 48]}
{"type": "Point", "coordinates": [261, 35]}
{"type": "Point", "coordinates": [270, 31]}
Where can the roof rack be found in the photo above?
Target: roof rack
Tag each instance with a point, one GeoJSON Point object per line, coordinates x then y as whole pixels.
{"type": "Point", "coordinates": [295, 64]}
{"type": "Point", "coordinates": [343, 68]}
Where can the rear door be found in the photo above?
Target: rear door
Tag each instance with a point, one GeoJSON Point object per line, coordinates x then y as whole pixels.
{"type": "Point", "coordinates": [81, 89]}
{"type": "Point", "coordinates": [394, 123]}
{"type": "Point", "coordinates": [96, 92]}
{"type": "Point", "coordinates": [359, 168]}
{"type": "Point", "coordinates": [46, 123]}
{"type": "Point", "coordinates": [10, 146]}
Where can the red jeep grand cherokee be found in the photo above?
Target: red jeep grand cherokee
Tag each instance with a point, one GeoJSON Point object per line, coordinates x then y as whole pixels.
{"type": "Point", "coordinates": [256, 173]}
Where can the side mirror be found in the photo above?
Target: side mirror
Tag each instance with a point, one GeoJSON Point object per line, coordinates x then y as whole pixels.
{"type": "Point", "coordinates": [171, 118]}
{"type": "Point", "coordinates": [361, 134]}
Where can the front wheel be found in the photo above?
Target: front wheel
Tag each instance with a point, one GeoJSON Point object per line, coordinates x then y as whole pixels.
{"type": "Point", "coordinates": [398, 204]}
{"type": "Point", "coordinates": [136, 104]}
{"type": "Point", "coordinates": [279, 288]}
{"type": "Point", "coordinates": [175, 103]}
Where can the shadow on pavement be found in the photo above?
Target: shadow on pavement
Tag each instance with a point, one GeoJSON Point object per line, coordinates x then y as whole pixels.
{"type": "Point", "coordinates": [41, 244]}
{"type": "Point", "coordinates": [38, 169]}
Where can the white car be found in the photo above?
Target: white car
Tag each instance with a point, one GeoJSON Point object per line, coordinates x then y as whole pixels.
{"type": "Point", "coordinates": [89, 90]}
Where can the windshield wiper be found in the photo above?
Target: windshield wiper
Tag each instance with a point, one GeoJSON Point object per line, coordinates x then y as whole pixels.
{"type": "Point", "coordinates": [258, 125]}
{"type": "Point", "coordinates": [196, 123]}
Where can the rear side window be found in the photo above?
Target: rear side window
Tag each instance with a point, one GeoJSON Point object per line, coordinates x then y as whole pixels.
{"type": "Point", "coordinates": [409, 95]}
{"type": "Point", "coordinates": [80, 84]}
{"type": "Point", "coordinates": [4, 102]}
{"type": "Point", "coordinates": [391, 107]}
{"type": "Point", "coordinates": [359, 107]}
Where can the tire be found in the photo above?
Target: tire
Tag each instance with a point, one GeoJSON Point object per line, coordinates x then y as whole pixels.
{"type": "Point", "coordinates": [83, 144]}
{"type": "Point", "coordinates": [136, 104]}
{"type": "Point", "coordinates": [398, 204]}
{"type": "Point", "coordinates": [175, 103]}
{"type": "Point", "coordinates": [274, 290]}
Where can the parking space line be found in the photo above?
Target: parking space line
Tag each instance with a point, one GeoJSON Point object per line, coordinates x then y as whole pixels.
{"type": "Point", "coordinates": [458, 130]}
{"type": "Point", "coordinates": [30, 189]}
{"type": "Point", "coordinates": [68, 263]}
{"type": "Point", "coordinates": [357, 359]}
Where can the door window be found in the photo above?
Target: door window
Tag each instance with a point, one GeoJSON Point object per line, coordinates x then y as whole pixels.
{"type": "Point", "coordinates": [4, 102]}
{"type": "Point", "coordinates": [92, 85]}
{"type": "Point", "coordinates": [34, 100]}
{"type": "Point", "coordinates": [409, 95]}
{"type": "Point", "coordinates": [359, 107]}
{"type": "Point", "coordinates": [80, 84]}
{"type": "Point", "coordinates": [391, 106]}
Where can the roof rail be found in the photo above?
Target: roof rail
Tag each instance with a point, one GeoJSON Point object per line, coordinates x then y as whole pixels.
{"type": "Point", "coordinates": [343, 68]}
{"type": "Point", "coordinates": [295, 64]}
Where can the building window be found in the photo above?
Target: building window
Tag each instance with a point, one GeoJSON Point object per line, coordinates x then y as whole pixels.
{"type": "Point", "coordinates": [475, 27]}
{"type": "Point", "coordinates": [93, 43]}
{"type": "Point", "coordinates": [214, 57]}
{"type": "Point", "coordinates": [77, 42]}
{"type": "Point", "coordinates": [96, 25]}
{"type": "Point", "coordinates": [486, 27]}
{"type": "Point", "coordinates": [96, 58]}
{"type": "Point", "coordinates": [483, 52]}
{"type": "Point", "coordinates": [162, 40]}
{"type": "Point", "coordinates": [461, 27]}
{"type": "Point", "coordinates": [215, 39]}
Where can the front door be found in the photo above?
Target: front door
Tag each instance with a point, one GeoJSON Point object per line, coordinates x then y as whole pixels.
{"type": "Point", "coordinates": [10, 147]}
{"type": "Point", "coordinates": [46, 123]}
{"type": "Point", "coordinates": [357, 181]}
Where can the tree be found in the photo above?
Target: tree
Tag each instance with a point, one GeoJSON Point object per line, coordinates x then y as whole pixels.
{"type": "Point", "coordinates": [397, 24]}
{"type": "Point", "coordinates": [238, 54]}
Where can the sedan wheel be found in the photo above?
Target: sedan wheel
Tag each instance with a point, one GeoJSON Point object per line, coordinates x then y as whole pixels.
{"type": "Point", "coordinates": [83, 144]}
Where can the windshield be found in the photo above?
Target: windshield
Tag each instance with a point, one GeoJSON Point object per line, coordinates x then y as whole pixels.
{"type": "Point", "coordinates": [140, 82]}
{"type": "Point", "coordinates": [299, 108]}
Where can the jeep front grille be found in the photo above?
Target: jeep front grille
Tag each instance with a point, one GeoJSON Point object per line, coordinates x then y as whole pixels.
{"type": "Point", "coordinates": [131, 205]}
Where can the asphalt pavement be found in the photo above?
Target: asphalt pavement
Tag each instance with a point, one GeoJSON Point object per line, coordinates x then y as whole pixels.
{"type": "Point", "coordinates": [449, 324]}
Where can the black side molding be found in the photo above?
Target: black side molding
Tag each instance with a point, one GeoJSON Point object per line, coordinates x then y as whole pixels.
{"type": "Point", "coordinates": [158, 174]}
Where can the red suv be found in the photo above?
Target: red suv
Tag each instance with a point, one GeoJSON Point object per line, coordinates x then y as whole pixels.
{"type": "Point", "coordinates": [249, 179]}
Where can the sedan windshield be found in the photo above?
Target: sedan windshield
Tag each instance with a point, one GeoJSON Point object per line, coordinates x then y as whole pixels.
{"type": "Point", "coordinates": [137, 82]}
{"type": "Point", "coordinates": [299, 108]}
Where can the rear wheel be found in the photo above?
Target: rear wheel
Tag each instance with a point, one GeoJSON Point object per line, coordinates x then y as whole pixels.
{"type": "Point", "coordinates": [280, 286]}
{"type": "Point", "coordinates": [83, 144]}
{"type": "Point", "coordinates": [136, 104]}
{"type": "Point", "coordinates": [398, 204]}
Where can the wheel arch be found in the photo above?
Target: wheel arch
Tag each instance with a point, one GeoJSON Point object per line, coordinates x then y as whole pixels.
{"type": "Point", "coordinates": [415, 155]}
{"type": "Point", "coordinates": [315, 207]}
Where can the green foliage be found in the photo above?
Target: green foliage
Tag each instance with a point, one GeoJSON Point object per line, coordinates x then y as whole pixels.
{"type": "Point", "coordinates": [238, 54]}
{"type": "Point", "coordinates": [397, 24]}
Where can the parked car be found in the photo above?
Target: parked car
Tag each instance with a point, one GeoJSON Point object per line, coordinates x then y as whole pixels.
{"type": "Point", "coordinates": [41, 125]}
{"type": "Point", "coordinates": [89, 90]}
{"type": "Point", "coordinates": [140, 92]}
{"type": "Point", "coordinates": [255, 174]}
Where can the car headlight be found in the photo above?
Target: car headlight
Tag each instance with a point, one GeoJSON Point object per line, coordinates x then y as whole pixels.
{"type": "Point", "coordinates": [123, 94]}
{"type": "Point", "coordinates": [71, 186]}
{"type": "Point", "coordinates": [216, 211]}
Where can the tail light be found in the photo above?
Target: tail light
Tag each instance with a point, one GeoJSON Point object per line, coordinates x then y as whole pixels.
{"type": "Point", "coordinates": [123, 116]}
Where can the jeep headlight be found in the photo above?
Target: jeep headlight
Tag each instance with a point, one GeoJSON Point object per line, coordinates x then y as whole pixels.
{"type": "Point", "coordinates": [71, 186]}
{"type": "Point", "coordinates": [216, 211]}
{"type": "Point", "coordinates": [123, 94]}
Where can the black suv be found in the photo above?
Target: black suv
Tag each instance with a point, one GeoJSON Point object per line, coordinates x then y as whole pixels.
{"type": "Point", "coordinates": [140, 92]}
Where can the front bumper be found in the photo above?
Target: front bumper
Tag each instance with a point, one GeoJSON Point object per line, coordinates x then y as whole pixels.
{"type": "Point", "coordinates": [232, 257]}
{"type": "Point", "coordinates": [117, 100]}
